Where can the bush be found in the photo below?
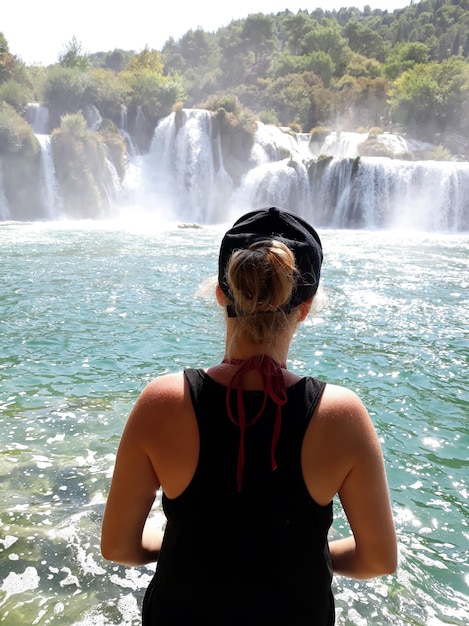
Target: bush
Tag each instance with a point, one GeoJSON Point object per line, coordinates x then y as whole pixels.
{"type": "Point", "coordinates": [20, 152]}
{"type": "Point", "coordinates": [295, 127]}
{"type": "Point", "coordinates": [441, 153]}
{"type": "Point", "coordinates": [116, 146]}
{"type": "Point", "coordinates": [64, 92]}
{"type": "Point", "coordinates": [373, 132]}
{"type": "Point", "coordinates": [372, 147]}
{"type": "Point", "coordinates": [231, 113]}
{"type": "Point", "coordinates": [16, 135]}
{"type": "Point", "coordinates": [319, 134]}
{"type": "Point", "coordinates": [269, 116]}
{"type": "Point", "coordinates": [80, 165]}
{"type": "Point", "coordinates": [16, 94]}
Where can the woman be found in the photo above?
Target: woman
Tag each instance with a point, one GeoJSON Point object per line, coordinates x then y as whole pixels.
{"type": "Point", "coordinates": [249, 457]}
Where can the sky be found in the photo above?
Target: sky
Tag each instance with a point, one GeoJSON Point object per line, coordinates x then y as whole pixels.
{"type": "Point", "coordinates": [39, 31]}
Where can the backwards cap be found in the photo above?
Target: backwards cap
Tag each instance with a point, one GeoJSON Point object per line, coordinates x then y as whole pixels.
{"type": "Point", "coordinates": [276, 224]}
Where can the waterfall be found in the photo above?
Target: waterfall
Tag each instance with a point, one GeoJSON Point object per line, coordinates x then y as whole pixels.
{"type": "Point", "coordinates": [330, 192]}
{"type": "Point", "coordinates": [92, 116]}
{"type": "Point", "coordinates": [4, 209]}
{"type": "Point", "coordinates": [37, 116]}
{"type": "Point", "coordinates": [385, 193]}
{"type": "Point", "coordinates": [274, 179]}
{"type": "Point", "coordinates": [196, 170]}
{"type": "Point", "coordinates": [48, 178]}
{"type": "Point", "coordinates": [179, 173]}
{"type": "Point", "coordinates": [346, 144]}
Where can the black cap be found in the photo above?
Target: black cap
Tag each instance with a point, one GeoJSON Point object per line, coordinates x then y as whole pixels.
{"type": "Point", "coordinates": [281, 225]}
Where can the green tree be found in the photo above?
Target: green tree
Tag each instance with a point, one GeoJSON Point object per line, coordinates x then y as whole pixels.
{"type": "Point", "coordinates": [404, 56]}
{"type": "Point", "coordinates": [197, 49]}
{"type": "Point", "coordinates": [151, 96]}
{"type": "Point", "coordinates": [364, 40]}
{"type": "Point", "coordinates": [7, 60]}
{"type": "Point", "coordinates": [20, 152]}
{"type": "Point", "coordinates": [64, 91]}
{"type": "Point", "coordinates": [327, 37]}
{"type": "Point", "coordinates": [259, 34]}
{"type": "Point", "coordinates": [429, 98]}
{"type": "Point", "coordinates": [15, 93]}
{"type": "Point", "coordinates": [147, 59]}
{"type": "Point", "coordinates": [117, 60]}
{"type": "Point", "coordinates": [235, 57]}
{"type": "Point", "coordinates": [73, 56]}
{"type": "Point", "coordinates": [295, 28]}
{"type": "Point", "coordinates": [299, 98]}
{"type": "Point", "coordinates": [360, 65]}
{"type": "Point", "coordinates": [108, 92]}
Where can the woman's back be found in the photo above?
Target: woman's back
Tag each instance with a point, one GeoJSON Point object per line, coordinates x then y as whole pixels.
{"type": "Point", "coordinates": [259, 555]}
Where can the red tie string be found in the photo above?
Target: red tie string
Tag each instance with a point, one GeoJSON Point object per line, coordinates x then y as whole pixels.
{"type": "Point", "coordinates": [274, 387]}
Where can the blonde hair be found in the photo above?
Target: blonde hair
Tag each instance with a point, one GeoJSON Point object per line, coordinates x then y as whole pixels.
{"type": "Point", "coordinates": [261, 279]}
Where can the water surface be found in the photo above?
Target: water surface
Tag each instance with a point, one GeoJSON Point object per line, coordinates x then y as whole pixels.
{"type": "Point", "coordinates": [90, 312]}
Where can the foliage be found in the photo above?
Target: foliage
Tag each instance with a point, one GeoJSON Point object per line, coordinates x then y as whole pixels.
{"type": "Point", "coordinates": [74, 56]}
{"type": "Point", "coordinates": [20, 154]}
{"type": "Point", "coordinates": [108, 92]}
{"type": "Point", "coordinates": [319, 134]}
{"type": "Point", "coordinates": [16, 136]}
{"type": "Point", "coordinates": [372, 147]}
{"type": "Point", "coordinates": [116, 60]}
{"type": "Point", "coordinates": [269, 116]}
{"type": "Point", "coordinates": [149, 60]}
{"type": "Point", "coordinates": [16, 94]}
{"type": "Point", "coordinates": [64, 91]}
{"type": "Point", "coordinates": [80, 165]}
{"type": "Point", "coordinates": [441, 153]}
{"type": "Point", "coordinates": [151, 96]}
{"type": "Point", "coordinates": [298, 98]}
{"type": "Point", "coordinates": [115, 146]}
{"type": "Point", "coordinates": [7, 60]}
{"type": "Point", "coordinates": [432, 97]}
{"type": "Point", "coordinates": [230, 112]}
{"type": "Point", "coordinates": [344, 68]}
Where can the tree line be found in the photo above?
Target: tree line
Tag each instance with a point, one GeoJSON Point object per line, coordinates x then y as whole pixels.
{"type": "Point", "coordinates": [345, 69]}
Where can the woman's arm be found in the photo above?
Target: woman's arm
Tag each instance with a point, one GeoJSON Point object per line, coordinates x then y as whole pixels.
{"type": "Point", "coordinates": [372, 549]}
{"type": "Point", "coordinates": [126, 536]}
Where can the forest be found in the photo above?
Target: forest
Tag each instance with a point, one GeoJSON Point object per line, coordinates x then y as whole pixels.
{"type": "Point", "coordinates": [345, 69]}
{"type": "Point", "coordinates": [404, 71]}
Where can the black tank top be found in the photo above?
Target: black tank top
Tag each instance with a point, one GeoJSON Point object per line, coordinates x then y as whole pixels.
{"type": "Point", "coordinates": [258, 557]}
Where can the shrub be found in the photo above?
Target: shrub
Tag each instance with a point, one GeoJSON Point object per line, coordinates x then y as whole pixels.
{"type": "Point", "coordinates": [16, 94]}
{"type": "Point", "coordinates": [269, 116]}
{"type": "Point", "coordinates": [319, 134]}
{"type": "Point", "coordinates": [80, 165]}
{"type": "Point", "coordinates": [16, 135]}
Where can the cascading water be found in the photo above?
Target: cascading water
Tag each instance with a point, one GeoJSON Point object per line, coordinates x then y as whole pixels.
{"type": "Point", "coordinates": [274, 177]}
{"type": "Point", "coordinates": [338, 145]}
{"type": "Point", "coordinates": [346, 144]}
{"type": "Point", "coordinates": [178, 174]}
{"type": "Point", "coordinates": [380, 193]}
{"type": "Point", "coordinates": [49, 181]}
{"type": "Point", "coordinates": [4, 209]}
{"type": "Point", "coordinates": [38, 117]}
{"type": "Point", "coordinates": [189, 175]}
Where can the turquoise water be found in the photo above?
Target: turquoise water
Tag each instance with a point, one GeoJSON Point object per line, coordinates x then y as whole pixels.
{"type": "Point", "coordinates": [90, 312]}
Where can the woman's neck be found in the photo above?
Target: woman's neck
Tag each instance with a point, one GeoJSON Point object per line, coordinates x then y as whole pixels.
{"type": "Point", "coordinates": [239, 350]}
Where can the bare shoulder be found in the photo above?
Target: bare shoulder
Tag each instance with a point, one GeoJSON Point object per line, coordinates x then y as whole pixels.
{"type": "Point", "coordinates": [343, 418]}
{"type": "Point", "coordinates": [164, 396]}
{"type": "Point", "coordinates": [166, 388]}
{"type": "Point", "coordinates": [341, 403]}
